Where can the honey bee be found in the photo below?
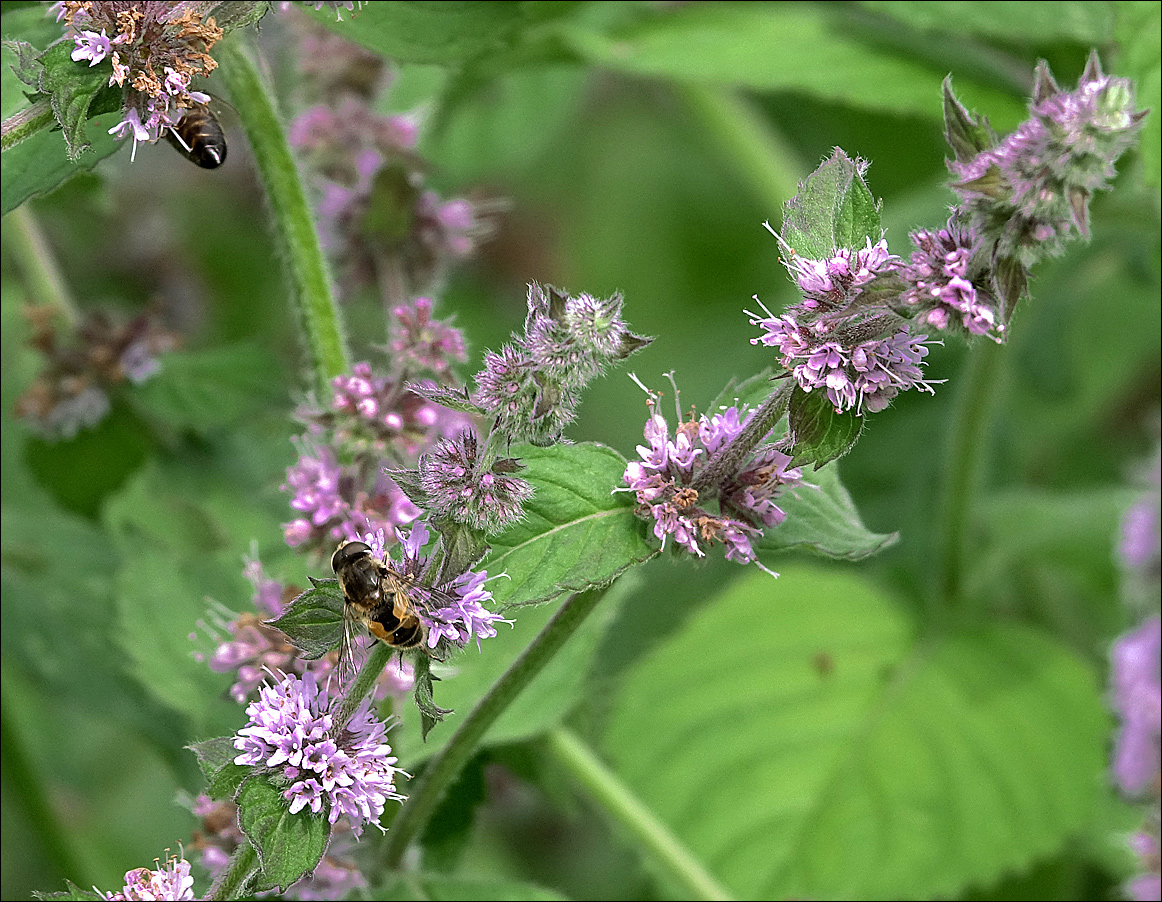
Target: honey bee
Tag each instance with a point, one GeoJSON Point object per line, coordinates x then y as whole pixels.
{"type": "Point", "coordinates": [380, 598]}
{"type": "Point", "coordinates": [199, 138]}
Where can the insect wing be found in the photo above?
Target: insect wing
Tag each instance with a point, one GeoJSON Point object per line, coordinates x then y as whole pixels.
{"type": "Point", "coordinates": [348, 666]}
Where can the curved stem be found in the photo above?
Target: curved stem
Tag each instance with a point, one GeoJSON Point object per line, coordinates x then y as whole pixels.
{"type": "Point", "coordinates": [966, 449]}
{"type": "Point", "coordinates": [293, 223]}
{"type": "Point", "coordinates": [749, 141]}
{"type": "Point", "coordinates": [603, 786]}
{"type": "Point", "coordinates": [429, 787]}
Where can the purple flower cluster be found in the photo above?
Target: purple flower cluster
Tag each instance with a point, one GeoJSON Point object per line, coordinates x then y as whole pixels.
{"type": "Point", "coordinates": [419, 342]}
{"type": "Point", "coordinates": [459, 488]}
{"type": "Point", "coordinates": [156, 50]}
{"type": "Point", "coordinates": [939, 287]}
{"type": "Point", "coordinates": [346, 770]}
{"type": "Point", "coordinates": [86, 365]}
{"type": "Point", "coordinates": [841, 339]}
{"type": "Point", "coordinates": [863, 375]}
{"type": "Point", "coordinates": [1030, 192]}
{"type": "Point", "coordinates": [377, 218]}
{"type": "Point", "coordinates": [454, 612]}
{"type": "Point", "coordinates": [663, 483]}
{"type": "Point", "coordinates": [373, 422]}
{"type": "Point", "coordinates": [1137, 698]}
{"type": "Point", "coordinates": [533, 386]}
{"type": "Point", "coordinates": [170, 881]}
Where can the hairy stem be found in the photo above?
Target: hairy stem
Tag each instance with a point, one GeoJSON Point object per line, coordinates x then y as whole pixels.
{"type": "Point", "coordinates": [429, 787]}
{"type": "Point", "coordinates": [668, 853]}
{"type": "Point", "coordinates": [25, 123]}
{"type": "Point", "coordinates": [758, 425]}
{"type": "Point", "coordinates": [294, 225]}
{"type": "Point", "coordinates": [236, 880]}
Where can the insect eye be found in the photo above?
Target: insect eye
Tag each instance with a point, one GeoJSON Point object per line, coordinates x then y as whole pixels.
{"type": "Point", "coordinates": [344, 554]}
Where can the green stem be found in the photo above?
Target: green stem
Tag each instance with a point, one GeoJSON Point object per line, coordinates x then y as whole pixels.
{"type": "Point", "coordinates": [966, 449]}
{"type": "Point", "coordinates": [20, 775]}
{"type": "Point", "coordinates": [428, 788]}
{"type": "Point", "coordinates": [25, 123]}
{"type": "Point", "coordinates": [42, 275]}
{"type": "Point", "coordinates": [236, 880]}
{"type": "Point", "coordinates": [361, 686]}
{"type": "Point", "coordinates": [667, 851]}
{"type": "Point", "coordinates": [749, 140]}
{"type": "Point", "coordinates": [293, 222]}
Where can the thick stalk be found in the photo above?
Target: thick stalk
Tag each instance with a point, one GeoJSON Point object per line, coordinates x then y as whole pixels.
{"type": "Point", "coordinates": [668, 853]}
{"type": "Point", "coordinates": [428, 788]}
{"type": "Point", "coordinates": [966, 449]}
{"type": "Point", "coordinates": [294, 225]}
{"type": "Point", "coordinates": [25, 123]}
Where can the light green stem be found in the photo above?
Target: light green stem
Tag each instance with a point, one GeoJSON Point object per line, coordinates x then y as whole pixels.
{"type": "Point", "coordinates": [42, 275]}
{"type": "Point", "coordinates": [293, 223]}
{"type": "Point", "coordinates": [425, 793]}
{"type": "Point", "coordinates": [749, 141]}
{"type": "Point", "coordinates": [675, 860]}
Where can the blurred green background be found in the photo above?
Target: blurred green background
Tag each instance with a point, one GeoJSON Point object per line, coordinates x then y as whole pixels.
{"type": "Point", "coordinates": [612, 182]}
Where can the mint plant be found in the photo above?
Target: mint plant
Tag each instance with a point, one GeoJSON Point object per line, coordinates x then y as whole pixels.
{"type": "Point", "coordinates": [628, 625]}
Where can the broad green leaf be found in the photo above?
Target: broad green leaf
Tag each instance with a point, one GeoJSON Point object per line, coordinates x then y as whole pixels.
{"type": "Point", "coordinates": [314, 620]}
{"type": "Point", "coordinates": [450, 888]}
{"type": "Point", "coordinates": [216, 759]}
{"type": "Point", "coordinates": [833, 209]}
{"type": "Point", "coordinates": [504, 124]}
{"type": "Point", "coordinates": [577, 533]}
{"type": "Point", "coordinates": [824, 751]}
{"type": "Point", "coordinates": [776, 47]}
{"type": "Point", "coordinates": [822, 434]}
{"type": "Point", "coordinates": [211, 388]}
{"type": "Point", "coordinates": [288, 845]}
{"type": "Point", "coordinates": [822, 517]}
{"type": "Point", "coordinates": [449, 33]}
{"type": "Point", "coordinates": [1084, 23]}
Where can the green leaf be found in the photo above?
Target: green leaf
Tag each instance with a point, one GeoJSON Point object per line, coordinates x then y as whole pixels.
{"type": "Point", "coordinates": [776, 47]}
{"type": "Point", "coordinates": [449, 33]}
{"type": "Point", "coordinates": [577, 533]}
{"type": "Point", "coordinates": [73, 894]}
{"type": "Point", "coordinates": [216, 759]}
{"type": "Point", "coordinates": [1139, 31]}
{"type": "Point", "coordinates": [288, 845]}
{"type": "Point", "coordinates": [449, 887]}
{"type": "Point", "coordinates": [76, 90]}
{"type": "Point", "coordinates": [833, 209]}
{"type": "Point", "coordinates": [822, 517]}
{"type": "Point", "coordinates": [40, 163]}
{"type": "Point", "coordinates": [821, 723]}
{"type": "Point", "coordinates": [821, 433]}
{"type": "Point", "coordinates": [313, 621]}
{"type": "Point", "coordinates": [1024, 23]}
{"type": "Point", "coordinates": [212, 388]}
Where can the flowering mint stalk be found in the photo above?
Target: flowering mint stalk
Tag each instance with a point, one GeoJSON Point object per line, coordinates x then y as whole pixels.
{"type": "Point", "coordinates": [171, 880]}
{"type": "Point", "coordinates": [1028, 194]}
